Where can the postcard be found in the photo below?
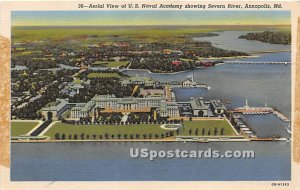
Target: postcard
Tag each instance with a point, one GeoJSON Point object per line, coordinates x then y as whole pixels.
{"type": "Point", "coordinates": [131, 95]}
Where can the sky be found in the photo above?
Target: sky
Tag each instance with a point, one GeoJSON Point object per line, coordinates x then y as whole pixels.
{"type": "Point", "coordinates": [121, 18]}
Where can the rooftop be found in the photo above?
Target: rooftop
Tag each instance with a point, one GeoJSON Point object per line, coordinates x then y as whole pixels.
{"type": "Point", "coordinates": [60, 104]}
{"type": "Point", "coordinates": [217, 104]}
{"type": "Point", "coordinates": [198, 103]}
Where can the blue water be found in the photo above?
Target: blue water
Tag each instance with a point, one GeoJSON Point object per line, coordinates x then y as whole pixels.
{"type": "Point", "coordinates": [230, 40]}
{"type": "Point", "coordinates": [270, 57]}
{"type": "Point", "coordinates": [100, 161]}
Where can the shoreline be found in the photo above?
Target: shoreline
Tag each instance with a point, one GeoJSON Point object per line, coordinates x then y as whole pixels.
{"type": "Point", "coordinates": [270, 51]}
{"type": "Point", "coordinates": [254, 55]}
{"type": "Point", "coordinates": [232, 57]}
{"type": "Point", "coordinates": [203, 140]}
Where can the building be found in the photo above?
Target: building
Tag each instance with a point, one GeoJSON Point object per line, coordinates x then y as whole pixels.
{"type": "Point", "coordinates": [187, 83]}
{"type": "Point", "coordinates": [217, 107]}
{"type": "Point", "coordinates": [148, 82]}
{"type": "Point", "coordinates": [176, 63]}
{"type": "Point", "coordinates": [200, 109]}
{"type": "Point", "coordinates": [197, 107]}
{"type": "Point", "coordinates": [110, 103]}
{"type": "Point", "coordinates": [169, 109]}
{"type": "Point", "coordinates": [56, 111]}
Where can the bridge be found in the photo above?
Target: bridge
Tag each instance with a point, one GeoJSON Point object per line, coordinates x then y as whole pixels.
{"type": "Point", "coordinates": [256, 62]}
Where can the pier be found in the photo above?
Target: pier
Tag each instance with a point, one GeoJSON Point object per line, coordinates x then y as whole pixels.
{"type": "Point", "coordinates": [247, 110]}
{"type": "Point", "coordinates": [256, 62]}
{"type": "Point", "coordinates": [281, 116]}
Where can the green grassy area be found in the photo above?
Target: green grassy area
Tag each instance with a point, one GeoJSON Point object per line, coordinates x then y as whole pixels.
{"type": "Point", "coordinates": [22, 128]}
{"type": "Point", "coordinates": [155, 34]}
{"type": "Point", "coordinates": [209, 124]}
{"type": "Point", "coordinates": [77, 81]}
{"type": "Point", "coordinates": [44, 58]}
{"type": "Point", "coordinates": [111, 63]}
{"type": "Point", "coordinates": [27, 53]}
{"type": "Point", "coordinates": [103, 75]}
{"type": "Point", "coordinates": [66, 114]}
{"type": "Point", "coordinates": [141, 129]}
{"type": "Point", "coordinates": [101, 130]}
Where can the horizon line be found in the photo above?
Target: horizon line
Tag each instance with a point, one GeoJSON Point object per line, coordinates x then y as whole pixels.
{"type": "Point", "coordinates": [150, 25]}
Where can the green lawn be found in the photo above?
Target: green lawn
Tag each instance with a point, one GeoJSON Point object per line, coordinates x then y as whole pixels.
{"type": "Point", "coordinates": [20, 33]}
{"type": "Point", "coordinates": [111, 63]}
{"type": "Point", "coordinates": [22, 128]}
{"type": "Point", "coordinates": [209, 124]}
{"type": "Point", "coordinates": [44, 58]}
{"type": "Point", "coordinates": [103, 75]}
{"type": "Point", "coordinates": [77, 81]}
{"type": "Point", "coordinates": [27, 53]}
{"type": "Point", "coordinates": [152, 129]}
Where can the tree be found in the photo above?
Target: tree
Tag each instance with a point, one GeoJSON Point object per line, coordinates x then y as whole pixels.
{"type": "Point", "coordinates": [203, 131]}
{"type": "Point", "coordinates": [94, 136]}
{"type": "Point", "coordinates": [215, 131]}
{"type": "Point", "coordinates": [57, 136]}
{"type": "Point", "coordinates": [222, 131]}
{"type": "Point", "coordinates": [119, 136]}
{"type": "Point", "coordinates": [63, 136]}
{"type": "Point", "coordinates": [82, 136]}
{"type": "Point", "coordinates": [190, 131]}
{"type": "Point", "coordinates": [196, 131]}
{"type": "Point", "coordinates": [167, 134]}
{"type": "Point", "coordinates": [70, 136]}
{"type": "Point", "coordinates": [208, 133]}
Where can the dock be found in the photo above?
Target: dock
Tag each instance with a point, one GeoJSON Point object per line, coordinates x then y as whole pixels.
{"type": "Point", "coordinates": [281, 116]}
{"type": "Point", "coordinates": [247, 110]}
{"type": "Point", "coordinates": [257, 62]}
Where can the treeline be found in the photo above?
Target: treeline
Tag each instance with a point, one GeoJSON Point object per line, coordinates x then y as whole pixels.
{"type": "Point", "coordinates": [107, 135]}
{"type": "Point", "coordinates": [269, 37]}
